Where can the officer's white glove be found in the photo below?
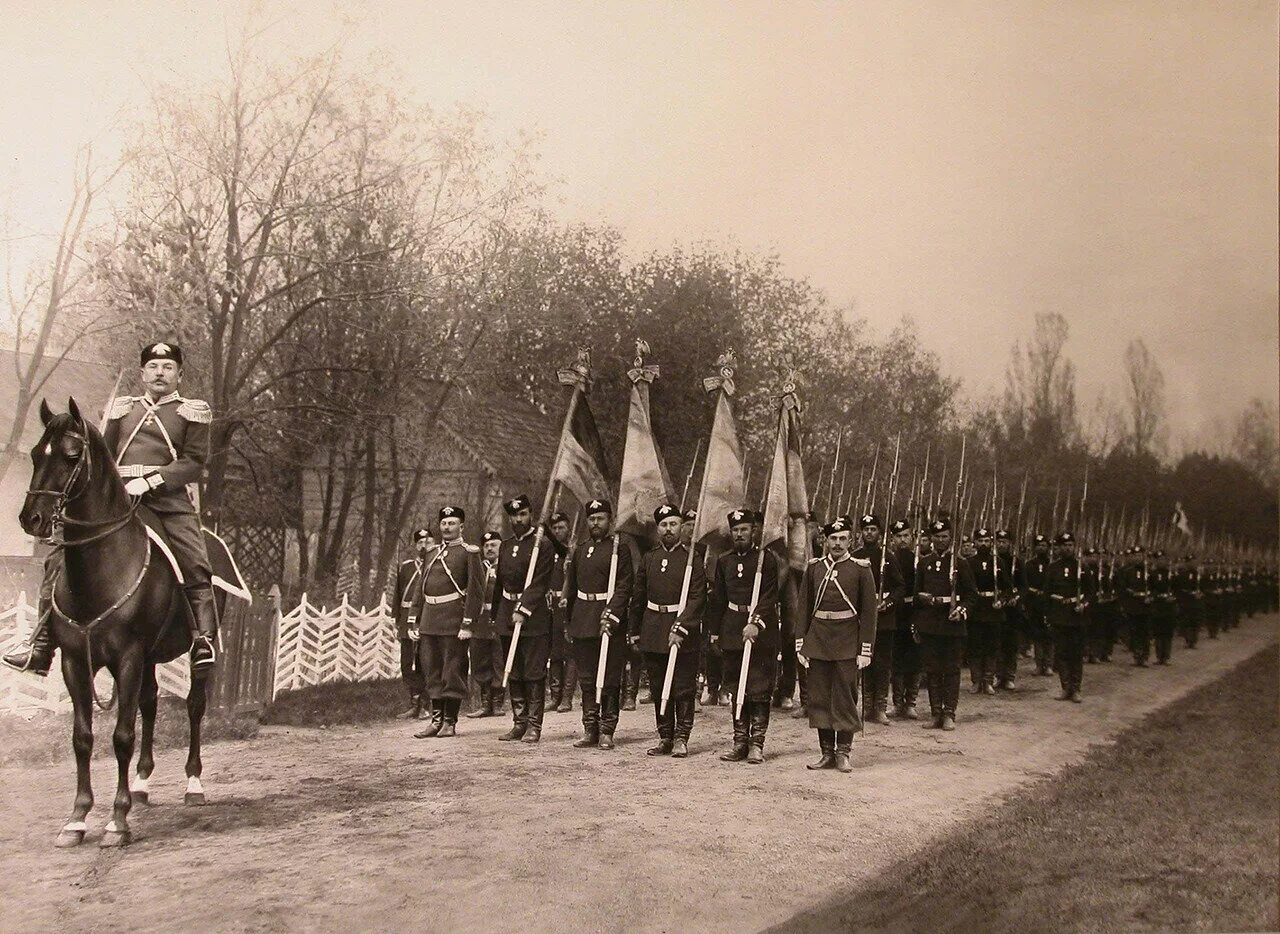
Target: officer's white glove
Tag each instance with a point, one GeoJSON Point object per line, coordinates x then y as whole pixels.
{"type": "Point", "coordinates": [750, 632]}
{"type": "Point", "coordinates": [863, 661]}
{"type": "Point", "coordinates": [137, 486]}
{"type": "Point", "coordinates": [464, 633]}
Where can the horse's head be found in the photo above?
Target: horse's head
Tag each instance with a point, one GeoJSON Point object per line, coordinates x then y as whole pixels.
{"type": "Point", "coordinates": [63, 462]}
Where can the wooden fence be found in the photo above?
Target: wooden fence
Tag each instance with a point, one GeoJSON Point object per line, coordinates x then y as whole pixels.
{"type": "Point", "coordinates": [264, 652]}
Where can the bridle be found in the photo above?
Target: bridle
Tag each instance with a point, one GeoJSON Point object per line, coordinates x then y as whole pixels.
{"type": "Point", "coordinates": [59, 520]}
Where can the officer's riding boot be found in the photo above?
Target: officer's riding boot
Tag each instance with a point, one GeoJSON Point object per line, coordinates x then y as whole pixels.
{"type": "Point", "coordinates": [567, 683]}
{"type": "Point", "coordinates": [485, 707]}
{"type": "Point", "coordinates": [740, 733]}
{"type": "Point", "coordinates": [844, 746]}
{"type": "Point", "coordinates": [632, 688]}
{"type": "Point", "coordinates": [827, 743]}
{"type": "Point", "coordinates": [534, 709]}
{"type": "Point", "coordinates": [519, 713]}
{"type": "Point", "coordinates": [37, 656]}
{"type": "Point", "coordinates": [590, 720]}
{"type": "Point", "coordinates": [759, 727]}
{"type": "Point", "coordinates": [666, 729]}
{"type": "Point", "coordinates": [684, 727]}
{"type": "Point", "coordinates": [203, 656]}
{"type": "Point", "coordinates": [611, 704]}
{"type": "Point", "coordinates": [437, 721]}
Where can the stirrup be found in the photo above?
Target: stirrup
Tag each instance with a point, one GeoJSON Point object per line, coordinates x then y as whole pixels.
{"type": "Point", "coordinates": [26, 665]}
{"type": "Point", "coordinates": [197, 642]}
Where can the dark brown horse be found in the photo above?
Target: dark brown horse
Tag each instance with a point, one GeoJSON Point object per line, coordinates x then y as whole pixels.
{"type": "Point", "coordinates": [117, 603]}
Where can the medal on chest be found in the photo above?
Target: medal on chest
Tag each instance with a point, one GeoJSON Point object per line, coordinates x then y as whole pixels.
{"type": "Point", "coordinates": [739, 569]}
{"type": "Point", "coordinates": [1066, 572]}
{"type": "Point", "coordinates": [591, 549]}
{"type": "Point", "coordinates": [663, 566]}
{"type": "Point", "coordinates": [984, 565]}
{"type": "Point", "coordinates": [515, 551]}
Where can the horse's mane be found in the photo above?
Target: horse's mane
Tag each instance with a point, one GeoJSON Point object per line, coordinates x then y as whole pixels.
{"type": "Point", "coordinates": [100, 454]}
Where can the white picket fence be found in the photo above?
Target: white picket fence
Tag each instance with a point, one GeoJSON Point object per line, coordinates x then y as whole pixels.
{"type": "Point", "coordinates": [314, 645]}
{"type": "Point", "coordinates": [317, 645]}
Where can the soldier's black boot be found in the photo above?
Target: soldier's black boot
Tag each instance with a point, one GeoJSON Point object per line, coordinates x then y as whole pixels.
{"type": "Point", "coordinates": [450, 725]}
{"type": "Point", "coordinates": [537, 690]}
{"type": "Point", "coordinates": [933, 684]}
{"type": "Point", "coordinates": [499, 699]}
{"type": "Point", "coordinates": [759, 726]}
{"type": "Point", "coordinates": [844, 746]}
{"type": "Point", "coordinates": [610, 704]}
{"type": "Point", "coordinates": [437, 721]}
{"type": "Point", "coordinates": [590, 720]}
{"type": "Point", "coordinates": [666, 729]}
{"type": "Point", "coordinates": [740, 733]}
{"type": "Point", "coordinates": [827, 743]}
{"type": "Point", "coordinates": [567, 684]}
{"type": "Point", "coordinates": [802, 682]}
{"type": "Point", "coordinates": [632, 688]}
{"type": "Point", "coordinates": [684, 727]}
{"type": "Point", "coordinates": [951, 683]}
{"type": "Point", "coordinates": [37, 656]}
{"type": "Point", "coordinates": [519, 713]}
{"type": "Point", "coordinates": [555, 684]}
{"type": "Point", "coordinates": [203, 655]}
{"type": "Point", "coordinates": [910, 693]}
{"type": "Point", "coordinates": [485, 707]}
{"type": "Point", "coordinates": [415, 708]}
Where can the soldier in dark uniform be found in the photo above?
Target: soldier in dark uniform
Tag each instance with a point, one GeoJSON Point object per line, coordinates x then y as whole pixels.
{"type": "Point", "coordinates": [657, 624]}
{"type": "Point", "coordinates": [1164, 611]}
{"type": "Point", "coordinates": [597, 587]}
{"type": "Point", "coordinates": [835, 636]}
{"type": "Point", "coordinates": [876, 677]}
{"type": "Point", "coordinates": [484, 648]}
{"type": "Point", "coordinates": [1014, 622]}
{"type": "Point", "coordinates": [732, 625]}
{"type": "Point", "coordinates": [1105, 612]}
{"type": "Point", "coordinates": [906, 651]}
{"type": "Point", "coordinates": [453, 582]}
{"type": "Point", "coordinates": [1212, 598]}
{"type": "Point", "coordinates": [1136, 601]}
{"type": "Point", "coordinates": [1033, 600]}
{"type": "Point", "coordinates": [1186, 588]}
{"type": "Point", "coordinates": [407, 602]}
{"type": "Point", "coordinates": [1066, 602]}
{"type": "Point", "coordinates": [944, 592]}
{"type": "Point", "coordinates": [528, 604]}
{"type": "Point", "coordinates": [987, 613]}
{"type": "Point", "coordinates": [160, 441]}
{"type": "Point", "coordinates": [559, 687]}
{"type": "Point", "coordinates": [711, 663]}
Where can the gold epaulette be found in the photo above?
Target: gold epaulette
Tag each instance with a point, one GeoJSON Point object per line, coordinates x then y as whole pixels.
{"type": "Point", "coordinates": [865, 562]}
{"type": "Point", "coordinates": [473, 549]}
{"type": "Point", "coordinates": [120, 407]}
{"type": "Point", "coordinates": [816, 560]}
{"type": "Point", "coordinates": [196, 410]}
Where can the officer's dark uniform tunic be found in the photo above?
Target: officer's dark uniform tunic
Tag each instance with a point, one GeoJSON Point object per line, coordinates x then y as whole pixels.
{"type": "Point", "coordinates": [941, 638]}
{"type": "Point", "coordinates": [408, 606]}
{"type": "Point", "coordinates": [452, 592]}
{"type": "Point", "coordinates": [586, 588]}
{"type": "Point", "coordinates": [731, 585]}
{"type": "Point", "coordinates": [877, 676]}
{"type": "Point", "coordinates": [529, 667]}
{"type": "Point", "coordinates": [654, 602]}
{"type": "Point", "coordinates": [838, 624]}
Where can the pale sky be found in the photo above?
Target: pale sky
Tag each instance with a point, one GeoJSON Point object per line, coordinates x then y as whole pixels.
{"type": "Point", "coordinates": [966, 163]}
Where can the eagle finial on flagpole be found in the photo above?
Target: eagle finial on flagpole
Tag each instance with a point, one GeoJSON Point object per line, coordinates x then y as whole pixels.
{"type": "Point", "coordinates": [726, 364]}
{"type": "Point", "coordinates": [577, 373]}
{"type": "Point", "coordinates": [639, 371]}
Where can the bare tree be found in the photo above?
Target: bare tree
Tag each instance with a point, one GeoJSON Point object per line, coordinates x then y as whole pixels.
{"type": "Point", "coordinates": [1039, 409]}
{"type": "Point", "coordinates": [1144, 394]}
{"type": "Point", "coordinates": [1254, 441]}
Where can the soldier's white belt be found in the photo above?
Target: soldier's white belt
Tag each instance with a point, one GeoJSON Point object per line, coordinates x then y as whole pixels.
{"type": "Point", "coordinates": [508, 595]}
{"type": "Point", "coordinates": [945, 601]}
{"type": "Point", "coordinates": [662, 607]}
{"type": "Point", "coordinates": [986, 593]}
{"type": "Point", "coordinates": [436, 601]}
{"type": "Point", "coordinates": [137, 470]}
{"type": "Point", "coordinates": [593, 597]}
{"type": "Point", "coordinates": [738, 607]}
{"type": "Point", "coordinates": [834, 614]}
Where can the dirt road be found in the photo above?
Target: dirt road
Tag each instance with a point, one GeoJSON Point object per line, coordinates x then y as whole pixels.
{"type": "Point", "coordinates": [368, 829]}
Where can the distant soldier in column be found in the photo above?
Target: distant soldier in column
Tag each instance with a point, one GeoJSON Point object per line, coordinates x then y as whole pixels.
{"type": "Point", "coordinates": [987, 614]}
{"type": "Point", "coordinates": [1136, 600]}
{"type": "Point", "coordinates": [1066, 603]}
{"type": "Point", "coordinates": [453, 580]}
{"type": "Point", "coordinates": [939, 611]}
{"type": "Point", "coordinates": [560, 689]}
{"type": "Point", "coordinates": [877, 676]}
{"type": "Point", "coordinates": [598, 588]}
{"type": "Point", "coordinates": [656, 625]}
{"type": "Point", "coordinates": [732, 625]}
{"type": "Point", "coordinates": [711, 661]}
{"type": "Point", "coordinates": [906, 650]}
{"type": "Point", "coordinates": [835, 635]}
{"type": "Point", "coordinates": [484, 647]}
{"type": "Point", "coordinates": [528, 604]}
{"type": "Point", "coordinates": [1033, 572]}
{"type": "Point", "coordinates": [1105, 612]}
{"type": "Point", "coordinates": [1186, 587]}
{"type": "Point", "coordinates": [407, 601]}
{"type": "Point", "coordinates": [1013, 623]}
{"type": "Point", "coordinates": [1164, 611]}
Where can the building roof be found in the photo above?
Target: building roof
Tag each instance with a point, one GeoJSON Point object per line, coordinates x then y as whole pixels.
{"type": "Point", "coordinates": [89, 381]}
{"type": "Point", "coordinates": [511, 439]}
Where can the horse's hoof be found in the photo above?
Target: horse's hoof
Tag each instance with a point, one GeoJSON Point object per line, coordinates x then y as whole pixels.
{"type": "Point", "coordinates": [141, 797]}
{"type": "Point", "coordinates": [113, 838]}
{"type": "Point", "coordinates": [69, 838]}
{"type": "Point", "coordinates": [193, 798]}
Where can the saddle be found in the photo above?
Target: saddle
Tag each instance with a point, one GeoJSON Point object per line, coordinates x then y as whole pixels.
{"type": "Point", "coordinates": [225, 573]}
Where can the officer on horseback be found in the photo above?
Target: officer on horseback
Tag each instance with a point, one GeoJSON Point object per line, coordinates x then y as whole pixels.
{"type": "Point", "coordinates": [160, 441]}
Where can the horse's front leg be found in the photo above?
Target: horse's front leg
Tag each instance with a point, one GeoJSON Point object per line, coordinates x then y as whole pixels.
{"type": "Point", "coordinates": [147, 701]}
{"type": "Point", "coordinates": [197, 700]}
{"type": "Point", "coordinates": [75, 672]}
{"type": "Point", "coordinates": [128, 675]}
